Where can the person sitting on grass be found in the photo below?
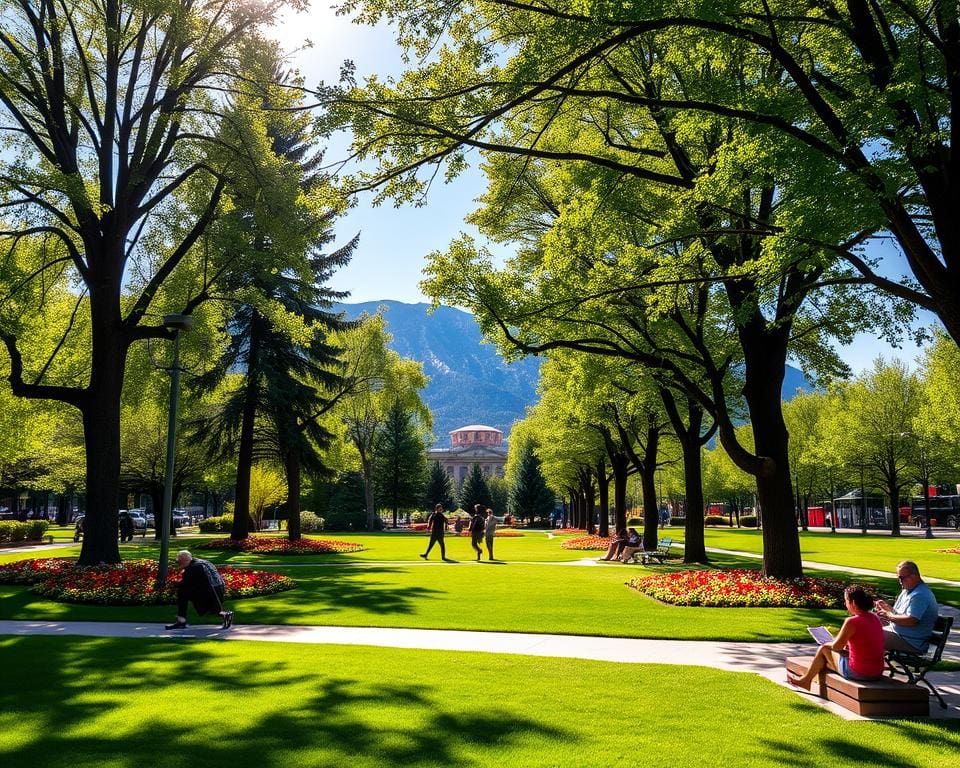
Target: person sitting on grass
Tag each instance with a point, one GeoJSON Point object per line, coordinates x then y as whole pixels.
{"type": "Point", "coordinates": [634, 544]}
{"type": "Point", "coordinates": [857, 650]}
{"type": "Point", "coordinates": [202, 585]}
{"type": "Point", "coordinates": [617, 544]}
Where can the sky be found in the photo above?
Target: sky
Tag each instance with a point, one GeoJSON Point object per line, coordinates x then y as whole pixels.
{"type": "Point", "coordinates": [394, 242]}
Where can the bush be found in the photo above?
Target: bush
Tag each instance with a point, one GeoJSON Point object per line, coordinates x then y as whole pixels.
{"type": "Point", "coordinates": [418, 517]}
{"type": "Point", "coordinates": [681, 521]}
{"type": "Point", "coordinates": [634, 522]}
{"type": "Point", "coordinates": [716, 520]}
{"type": "Point", "coordinates": [340, 520]}
{"type": "Point", "coordinates": [749, 521]}
{"type": "Point", "coordinates": [13, 531]}
{"type": "Point", "coordinates": [310, 523]}
{"type": "Point", "coordinates": [222, 524]}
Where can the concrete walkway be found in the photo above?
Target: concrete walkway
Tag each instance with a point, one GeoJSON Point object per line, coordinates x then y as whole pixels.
{"type": "Point", "coordinates": [765, 659]}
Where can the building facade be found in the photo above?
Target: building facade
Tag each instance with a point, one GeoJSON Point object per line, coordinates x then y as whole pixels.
{"type": "Point", "coordinates": [473, 444]}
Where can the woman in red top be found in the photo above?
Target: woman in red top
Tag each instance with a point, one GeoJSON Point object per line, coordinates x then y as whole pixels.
{"type": "Point", "coordinates": [857, 651]}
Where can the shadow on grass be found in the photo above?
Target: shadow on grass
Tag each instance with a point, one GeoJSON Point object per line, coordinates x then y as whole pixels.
{"type": "Point", "coordinates": [132, 703]}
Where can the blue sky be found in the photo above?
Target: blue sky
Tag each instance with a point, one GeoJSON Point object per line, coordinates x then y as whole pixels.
{"type": "Point", "coordinates": [394, 241]}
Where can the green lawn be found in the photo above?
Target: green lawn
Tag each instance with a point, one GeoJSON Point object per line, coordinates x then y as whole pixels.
{"type": "Point", "coordinates": [876, 552]}
{"type": "Point", "coordinates": [181, 704]}
{"type": "Point", "coordinates": [388, 585]}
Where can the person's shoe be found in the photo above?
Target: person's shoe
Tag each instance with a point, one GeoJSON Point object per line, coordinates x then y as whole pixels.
{"type": "Point", "coordinates": [227, 620]}
{"type": "Point", "coordinates": [478, 558]}
{"type": "Point", "coordinates": [176, 625]}
{"type": "Point", "coordinates": [423, 556]}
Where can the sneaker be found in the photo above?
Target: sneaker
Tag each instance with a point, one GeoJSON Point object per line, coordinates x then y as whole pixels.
{"type": "Point", "coordinates": [423, 556]}
{"type": "Point", "coordinates": [176, 625]}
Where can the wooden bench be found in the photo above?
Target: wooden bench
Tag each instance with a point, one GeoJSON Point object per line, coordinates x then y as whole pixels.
{"type": "Point", "coordinates": [916, 665]}
{"type": "Point", "coordinates": [867, 697]}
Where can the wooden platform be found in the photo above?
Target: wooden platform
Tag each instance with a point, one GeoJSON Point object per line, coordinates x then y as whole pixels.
{"type": "Point", "coordinates": [868, 698]}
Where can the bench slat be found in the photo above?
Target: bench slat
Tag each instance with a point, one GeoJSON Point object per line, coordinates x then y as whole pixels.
{"type": "Point", "coordinates": [868, 697]}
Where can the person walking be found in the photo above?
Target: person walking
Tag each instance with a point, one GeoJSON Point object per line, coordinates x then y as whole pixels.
{"type": "Point", "coordinates": [437, 524]}
{"type": "Point", "coordinates": [477, 524]}
{"type": "Point", "coordinates": [489, 531]}
{"type": "Point", "coordinates": [126, 526]}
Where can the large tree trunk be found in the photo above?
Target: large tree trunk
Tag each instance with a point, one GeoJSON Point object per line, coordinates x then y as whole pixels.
{"type": "Point", "coordinates": [765, 364]}
{"type": "Point", "coordinates": [620, 466]}
{"type": "Point", "coordinates": [604, 493]}
{"type": "Point", "coordinates": [694, 546]}
{"type": "Point", "coordinates": [648, 486]}
{"type": "Point", "coordinates": [291, 465]}
{"type": "Point", "coordinates": [100, 411]}
{"type": "Point", "coordinates": [241, 500]}
{"type": "Point", "coordinates": [366, 466]}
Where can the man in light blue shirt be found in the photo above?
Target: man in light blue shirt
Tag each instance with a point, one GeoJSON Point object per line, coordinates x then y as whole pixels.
{"type": "Point", "coordinates": [913, 614]}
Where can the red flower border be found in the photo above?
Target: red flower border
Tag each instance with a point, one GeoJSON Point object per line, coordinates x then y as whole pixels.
{"type": "Point", "coordinates": [132, 582]}
{"type": "Point", "coordinates": [277, 546]}
{"type": "Point", "coordinates": [739, 588]}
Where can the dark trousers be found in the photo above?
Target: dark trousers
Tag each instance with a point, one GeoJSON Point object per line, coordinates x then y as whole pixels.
{"type": "Point", "coordinates": [475, 541]}
{"type": "Point", "coordinates": [205, 601]}
{"type": "Point", "coordinates": [436, 537]}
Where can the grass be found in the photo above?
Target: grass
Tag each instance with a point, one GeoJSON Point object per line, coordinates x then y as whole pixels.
{"type": "Point", "coordinates": [874, 551]}
{"type": "Point", "coordinates": [182, 704]}
{"type": "Point", "coordinates": [399, 590]}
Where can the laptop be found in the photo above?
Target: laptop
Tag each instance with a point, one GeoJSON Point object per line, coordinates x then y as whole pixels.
{"type": "Point", "coordinates": [820, 634]}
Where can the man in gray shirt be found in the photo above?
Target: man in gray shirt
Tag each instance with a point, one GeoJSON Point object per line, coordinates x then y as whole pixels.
{"type": "Point", "coordinates": [913, 614]}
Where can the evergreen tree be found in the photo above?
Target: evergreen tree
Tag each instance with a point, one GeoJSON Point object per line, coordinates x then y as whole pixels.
{"type": "Point", "coordinates": [400, 463]}
{"type": "Point", "coordinates": [530, 496]}
{"type": "Point", "coordinates": [439, 489]}
{"type": "Point", "coordinates": [474, 490]}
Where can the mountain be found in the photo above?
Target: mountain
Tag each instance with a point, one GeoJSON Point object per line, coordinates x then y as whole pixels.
{"type": "Point", "coordinates": [469, 382]}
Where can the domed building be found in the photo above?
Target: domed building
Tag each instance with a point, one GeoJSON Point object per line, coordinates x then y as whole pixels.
{"type": "Point", "coordinates": [473, 444]}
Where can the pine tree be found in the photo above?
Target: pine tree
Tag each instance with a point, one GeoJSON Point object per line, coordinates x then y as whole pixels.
{"type": "Point", "coordinates": [400, 463]}
{"type": "Point", "coordinates": [439, 489]}
{"type": "Point", "coordinates": [474, 490]}
{"type": "Point", "coordinates": [530, 496]}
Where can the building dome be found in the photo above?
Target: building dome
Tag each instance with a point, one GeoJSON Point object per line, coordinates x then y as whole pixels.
{"type": "Point", "coordinates": [476, 434]}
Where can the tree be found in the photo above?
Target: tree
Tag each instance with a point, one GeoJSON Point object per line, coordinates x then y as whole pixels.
{"type": "Point", "coordinates": [530, 498]}
{"type": "Point", "coordinates": [439, 489]}
{"type": "Point", "coordinates": [378, 378]}
{"type": "Point", "coordinates": [267, 489]}
{"type": "Point", "coordinates": [474, 490]}
{"type": "Point", "coordinates": [401, 462]}
{"type": "Point", "coordinates": [117, 161]}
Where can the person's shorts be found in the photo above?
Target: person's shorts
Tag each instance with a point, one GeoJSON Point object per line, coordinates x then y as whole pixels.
{"type": "Point", "coordinates": [843, 662]}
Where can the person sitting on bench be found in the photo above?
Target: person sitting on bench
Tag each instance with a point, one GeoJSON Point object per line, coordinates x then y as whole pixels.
{"type": "Point", "coordinates": [201, 585]}
{"type": "Point", "coordinates": [617, 544]}
{"type": "Point", "coordinates": [912, 615]}
{"type": "Point", "coordinates": [857, 650]}
{"type": "Point", "coordinates": [634, 544]}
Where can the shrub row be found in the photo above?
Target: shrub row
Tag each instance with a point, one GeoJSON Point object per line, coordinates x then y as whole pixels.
{"type": "Point", "coordinates": [222, 524]}
{"type": "Point", "coordinates": [14, 531]}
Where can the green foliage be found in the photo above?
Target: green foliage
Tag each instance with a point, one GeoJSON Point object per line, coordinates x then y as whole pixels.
{"type": "Point", "coordinates": [221, 524]}
{"type": "Point", "coordinates": [14, 531]}
{"type": "Point", "coordinates": [400, 464]}
{"type": "Point", "coordinates": [748, 521]}
{"type": "Point", "coordinates": [346, 508]}
{"type": "Point", "coordinates": [715, 520]}
{"type": "Point", "coordinates": [530, 497]}
{"type": "Point", "coordinates": [499, 495]}
{"type": "Point", "coordinates": [310, 523]}
{"type": "Point", "coordinates": [474, 490]}
{"type": "Point", "coordinates": [439, 489]}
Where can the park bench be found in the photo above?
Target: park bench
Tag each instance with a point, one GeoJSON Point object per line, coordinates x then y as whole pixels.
{"type": "Point", "coordinates": [916, 665]}
{"type": "Point", "coordinates": [661, 553]}
{"type": "Point", "coordinates": [867, 697]}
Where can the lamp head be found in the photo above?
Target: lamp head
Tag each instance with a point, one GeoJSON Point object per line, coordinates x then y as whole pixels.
{"type": "Point", "coordinates": [178, 322]}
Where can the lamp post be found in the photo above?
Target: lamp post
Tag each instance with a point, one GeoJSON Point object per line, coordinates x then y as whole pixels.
{"type": "Point", "coordinates": [863, 504]}
{"type": "Point", "coordinates": [924, 479]}
{"type": "Point", "coordinates": [175, 323]}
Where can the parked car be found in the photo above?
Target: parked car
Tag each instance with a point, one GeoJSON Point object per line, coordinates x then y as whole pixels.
{"type": "Point", "coordinates": [181, 517]}
{"type": "Point", "coordinates": [139, 519]}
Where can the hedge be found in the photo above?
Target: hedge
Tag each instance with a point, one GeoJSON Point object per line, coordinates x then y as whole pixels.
{"type": "Point", "coordinates": [14, 531]}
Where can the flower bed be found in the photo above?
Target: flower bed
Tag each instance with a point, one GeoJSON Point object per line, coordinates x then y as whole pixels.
{"type": "Point", "coordinates": [951, 551]}
{"type": "Point", "coordinates": [740, 588]}
{"type": "Point", "coordinates": [588, 542]}
{"type": "Point", "coordinates": [564, 531]}
{"type": "Point", "coordinates": [500, 533]}
{"type": "Point", "coordinates": [278, 546]}
{"type": "Point", "coordinates": [132, 582]}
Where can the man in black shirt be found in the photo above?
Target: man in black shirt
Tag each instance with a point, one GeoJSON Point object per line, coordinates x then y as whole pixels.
{"type": "Point", "coordinates": [201, 585]}
{"type": "Point", "coordinates": [477, 523]}
{"type": "Point", "coordinates": [437, 523]}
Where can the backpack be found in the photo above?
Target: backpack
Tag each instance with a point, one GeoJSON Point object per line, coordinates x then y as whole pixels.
{"type": "Point", "coordinates": [213, 575]}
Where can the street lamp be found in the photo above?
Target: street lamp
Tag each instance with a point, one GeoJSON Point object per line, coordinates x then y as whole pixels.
{"type": "Point", "coordinates": [175, 323]}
